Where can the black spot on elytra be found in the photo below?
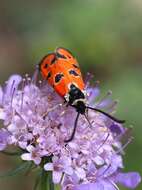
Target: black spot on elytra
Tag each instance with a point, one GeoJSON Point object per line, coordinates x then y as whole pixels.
{"type": "Point", "coordinates": [53, 60]}
{"type": "Point", "coordinates": [69, 56]}
{"type": "Point", "coordinates": [73, 72]}
{"type": "Point", "coordinates": [58, 77]}
{"type": "Point", "coordinates": [45, 66]}
{"type": "Point", "coordinates": [75, 66]}
{"type": "Point", "coordinates": [48, 76]}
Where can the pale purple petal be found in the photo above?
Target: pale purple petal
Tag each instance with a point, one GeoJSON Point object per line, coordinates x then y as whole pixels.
{"type": "Point", "coordinates": [57, 176]}
{"type": "Point", "coordinates": [93, 94]}
{"type": "Point", "coordinates": [2, 114]}
{"type": "Point", "coordinates": [30, 148]}
{"type": "Point", "coordinates": [23, 144]}
{"type": "Point", "coordinates": [101, 185]}
{"type": "Point", "coordinates": [129, 180]}
{"type": "Point", "coordinates": [89, 186]}
{"type": "Point", "coordinates": [103, 104]}
{"type": "Point", "coordinates": [114, 165]}
{"type": "Point", "coordinates": [48, 167]}
{"type": "Point", "coordinates": [12, 128]}
{"type": "Point", "coordinates": [108, 185]}
{"type": "Point", "coordinates": [26, 156]}
{"type": "Point", "coordinates": [98, 160]}
{"type": "Point", "coordinates": [117, 128]}
{"type": "Point", "coordinates": [80, 172]}
{"type": "Point", "coordinates": [37, 160]}
{"type": "Point", "coordinates": [12, 84]}
{"type": "Point", "coordinates": [69, 170]}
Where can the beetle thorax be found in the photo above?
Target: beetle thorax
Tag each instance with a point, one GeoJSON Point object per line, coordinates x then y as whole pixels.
{"type": "Point", "coordinates": [76, 98]}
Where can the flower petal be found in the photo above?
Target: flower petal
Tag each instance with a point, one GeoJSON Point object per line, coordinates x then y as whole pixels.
{"type": "Point", "coordinates": [37, 160]}
{"type": "Point", "coordinates": [93, 94]}
{"type": "Point", "coordinates": [80, 172]}
{"type": "Point", "coordinates": [101, 185]}
{"type": "Point", "coordinates": [26, 156]}
{"type": "Point", "coordinates": [48, 167]}
{"type": "Point", "coordinates": [130, 179]}
{"type": "Point", "coordinates": [12, 84]}
{"type": "Point", "coordinates": [57, 176]}
{"type": "Point", "coordinates": [30, 148]}
{"type": "Point", "coordinates": [89, 186]}
{"type": "Point", "coordinates": [98, 160]}
{"type": "Point", "coordinates": [116, 128]}
{"type": "Point", "coordinates": [2, 114]}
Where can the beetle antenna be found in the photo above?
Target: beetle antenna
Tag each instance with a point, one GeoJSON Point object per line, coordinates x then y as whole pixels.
{"type": "Point", "coordinates": [74, 129]}
{"type": "Point", "coordinates": [106, 114]}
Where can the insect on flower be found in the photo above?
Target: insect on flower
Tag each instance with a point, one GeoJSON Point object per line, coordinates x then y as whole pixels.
{"type": "Point", "coordinates": [62, 72]}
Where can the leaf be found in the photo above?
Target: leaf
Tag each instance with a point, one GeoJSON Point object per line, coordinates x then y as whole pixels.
{"type": "Point", "coordinates": [11, 153]}
{"type": "Point", "coordinates": [37, 181]}
{"type": "Point", "coordinates": [29, 168]}
{"type": "Point", "coordinates": [51, 185]}
{"type": "Point", "coordinates": [16, 171]}
{"type": "Point", "coordinates": [44, 180]}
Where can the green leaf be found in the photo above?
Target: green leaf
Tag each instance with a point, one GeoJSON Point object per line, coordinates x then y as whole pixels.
{"type": "Point", "coordinates": [16, 171]}
{"type": "Point", "coordinates": [30, 168]}
{"type": "Point", "coordinates": [51, 184]}
{"type": "Point", "coordinates": [44, 180]}
{"type": "Point", "coordinates": [37, 181]}
{"type": "Point", "coordinates": [11, 153]}
{"type": "Point", "coordinates": [57, 187]}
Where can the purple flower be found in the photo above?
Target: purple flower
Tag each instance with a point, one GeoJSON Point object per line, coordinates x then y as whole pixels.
{"type": "Point", "coordinates": [130, 180]}
{"type": "Point", "coordinates": [36, 120]}
{"type": "Point", "coordinates": [58, 167]}
{"type": "Point", "coordinates": [32, 155]}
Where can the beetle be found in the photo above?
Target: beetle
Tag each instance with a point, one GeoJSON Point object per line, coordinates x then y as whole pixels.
{"type": "Point", "coordinates": [62, 72]}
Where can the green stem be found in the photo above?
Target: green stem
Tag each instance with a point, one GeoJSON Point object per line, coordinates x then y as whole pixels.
{"type": "Point", "coordinates": [44, 180]}
{"type": "Point", "coordinates": [37, 181]}
{"type": "Point", "coordinates": [46, 176]}
{"type": "Point", "coordinates": [51, 184]}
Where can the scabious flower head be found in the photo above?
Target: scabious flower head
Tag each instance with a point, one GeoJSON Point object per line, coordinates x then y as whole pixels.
{"type": "Point", "coordinates": [36, 120]}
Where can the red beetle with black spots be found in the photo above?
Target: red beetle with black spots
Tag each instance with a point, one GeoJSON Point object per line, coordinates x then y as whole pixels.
{"type": "Point", "coordinates": [62, 72]}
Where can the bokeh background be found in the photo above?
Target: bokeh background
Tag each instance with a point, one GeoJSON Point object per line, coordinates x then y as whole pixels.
{"type": "Point", "coordinates": [105, 36]}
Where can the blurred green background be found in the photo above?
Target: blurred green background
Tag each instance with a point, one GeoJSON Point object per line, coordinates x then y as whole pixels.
{"type": "Point", "coordinates": [105, 36]}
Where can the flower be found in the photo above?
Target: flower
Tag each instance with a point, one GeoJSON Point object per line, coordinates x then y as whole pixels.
{"type": "Point", "coordinates": [36, 120]}
{"type": "Point", "coordinates": [34, 154]}
{"type": "Point", "coordinates": [59, 166]}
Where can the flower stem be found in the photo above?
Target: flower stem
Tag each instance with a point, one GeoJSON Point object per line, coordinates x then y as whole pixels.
{"type": "Point", "coordinates": [51, 184]}
{"type": "Point", "coordinates": [46, 176]}
{"type": "Point", "coordinates": [44, 180]}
